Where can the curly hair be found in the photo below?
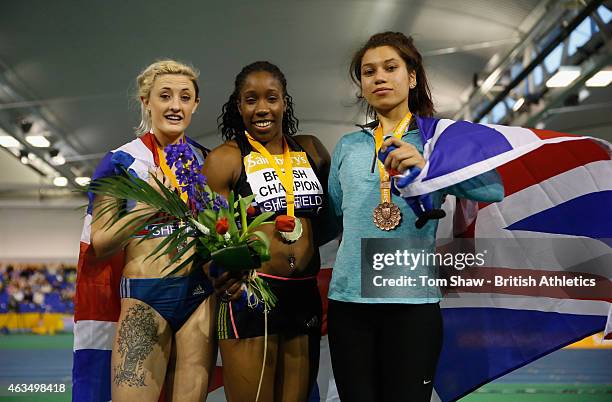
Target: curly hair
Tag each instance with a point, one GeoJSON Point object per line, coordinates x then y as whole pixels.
{"type": "Point", "coordinates": [419, 99]}
{"type": "Point", "coordinates": [230, 121]}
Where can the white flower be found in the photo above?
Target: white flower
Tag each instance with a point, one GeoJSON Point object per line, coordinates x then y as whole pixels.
{"type": "Point", "coordinates": [205, 231]}
{"type": "Point", "coordinates": [227, 236]}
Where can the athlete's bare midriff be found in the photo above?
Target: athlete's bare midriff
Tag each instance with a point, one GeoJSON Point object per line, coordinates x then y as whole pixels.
{"type": "Point", "coordinates": [137, 265]}
{"type": "Point", "coordinates": [302, 251]}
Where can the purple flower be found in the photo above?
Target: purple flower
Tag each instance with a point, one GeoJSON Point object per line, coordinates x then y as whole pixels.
{"type": "Point", "coordinates": [188, 174]}
{"type": "Point", "coordinates": [220, 202]}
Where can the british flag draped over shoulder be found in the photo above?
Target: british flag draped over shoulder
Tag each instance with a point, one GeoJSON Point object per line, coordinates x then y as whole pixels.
{"type": "Point", "coordinates": [556, 185]}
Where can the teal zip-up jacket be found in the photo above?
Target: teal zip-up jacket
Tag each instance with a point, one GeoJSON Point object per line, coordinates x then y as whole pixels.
{"type": "Point", "coordinates": [354, 192]}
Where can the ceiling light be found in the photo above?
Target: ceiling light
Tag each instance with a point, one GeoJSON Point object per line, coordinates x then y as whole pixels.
{"type": "Point", "coordinates": [563, 77]}
{"type": "Point", "coordinates": [518, 104]}
{"type": "Point", "coordinates": [60, 181]}
{"type": "Point", "coordinates": [600, 79]}
{"type": "Point", "coordinates": [55, 157]}
{"type": "Point", "coordinates": [58, 160]}
{"type": "Point", "coordinates": [8, 142]}
{"type": "Point", "coordinates": [38, 141]}
{"type": "Point", "coordinates": [583, 94]}
{"type": "Point", "coordinates": [82, 181]}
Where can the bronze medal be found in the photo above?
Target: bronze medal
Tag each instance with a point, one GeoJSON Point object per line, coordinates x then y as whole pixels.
{"type": "Point", "coordinates": [387, 216]}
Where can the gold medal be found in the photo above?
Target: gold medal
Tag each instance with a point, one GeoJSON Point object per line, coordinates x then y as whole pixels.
{"type": "Point", "coordinates": [387, 216]}
{"type": "Point", "coordinates": [285, 175]}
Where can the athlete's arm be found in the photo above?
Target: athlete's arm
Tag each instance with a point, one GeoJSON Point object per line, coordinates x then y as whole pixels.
{"type": "Point", "coordinates": [326, 229]}
{"type": "Point", "coordinates": [107, 239]}
{"type": "Point", "coordinates": [317, 151]}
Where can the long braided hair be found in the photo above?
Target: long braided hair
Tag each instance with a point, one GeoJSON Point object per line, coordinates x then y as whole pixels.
{"type": "Point", "coordinates": [230, 121]}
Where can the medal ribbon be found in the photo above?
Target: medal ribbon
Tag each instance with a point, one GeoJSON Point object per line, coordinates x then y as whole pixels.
{"type": "Point", "coordinates": [385, 182]}
{"type": "Point", "coordinates": [169, 173]}
{"type": "Point", "coordinates": [286, 177]}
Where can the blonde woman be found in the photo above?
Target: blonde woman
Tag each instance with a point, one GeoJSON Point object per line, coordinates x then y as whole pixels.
{"type": "Point", "coordinates": [164, 335]}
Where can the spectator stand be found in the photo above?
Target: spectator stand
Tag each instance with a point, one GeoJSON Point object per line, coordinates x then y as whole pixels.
{"type": "Point", "coordinates": [36, 298]}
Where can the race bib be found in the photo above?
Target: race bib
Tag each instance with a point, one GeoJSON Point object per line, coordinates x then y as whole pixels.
{"type": "Point", "coordinates": [270, 193]}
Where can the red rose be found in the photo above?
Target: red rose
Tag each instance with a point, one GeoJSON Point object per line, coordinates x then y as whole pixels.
{"type": "Point", "coordinates": [222, 226]}
{"type": "Point", "coordinates": [251, 211]}
{"type": "Point", "coordinates": [284, 223]}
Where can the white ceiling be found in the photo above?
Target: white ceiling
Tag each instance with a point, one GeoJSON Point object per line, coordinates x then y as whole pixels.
{"type": "Point", "coordinates": [78, 60]}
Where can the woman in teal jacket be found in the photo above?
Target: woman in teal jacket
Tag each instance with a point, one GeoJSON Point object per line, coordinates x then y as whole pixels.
{"type": "Point", "coordinates": [386, 348]}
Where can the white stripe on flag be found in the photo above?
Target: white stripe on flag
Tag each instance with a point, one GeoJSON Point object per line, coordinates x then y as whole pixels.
{"type": "Point", "coordinates": [89, 334]}
{"type": "Point", "coordinates": [539, 197]}
{"type": "Point", "coordinates": [440, 127]}
{"type": "Point", "coordinates": [543, 304]}
{"type": "Point", "coordinates": [138, 150]}
{"type": "Point", "coordinates": [86, 233]}
{"type": "Point", "coordinates": [418, 187]}
{"type": "Point", "coordinates": [516, 136]}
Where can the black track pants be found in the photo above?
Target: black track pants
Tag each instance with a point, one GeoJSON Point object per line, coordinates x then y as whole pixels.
{"type": "Point", "coordinates": [384, 352]}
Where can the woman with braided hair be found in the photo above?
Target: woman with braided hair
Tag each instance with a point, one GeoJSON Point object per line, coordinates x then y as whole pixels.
{"type": "Point", "coordinates": [258, 125]}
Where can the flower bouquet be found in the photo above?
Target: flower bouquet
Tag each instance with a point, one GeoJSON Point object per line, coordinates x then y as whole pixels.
{"type": "Point", "coordinates": [217, 228]}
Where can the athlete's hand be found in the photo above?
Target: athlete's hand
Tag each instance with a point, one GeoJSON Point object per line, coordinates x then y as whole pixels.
{"type": "Point", "coordinates": [404, 157]}
{"type": "Point", "coordinates": [159, 175]}
{"type": "Point", "coordinates": [229, 285]}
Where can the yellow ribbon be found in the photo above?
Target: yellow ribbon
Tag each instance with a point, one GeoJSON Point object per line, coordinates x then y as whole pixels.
{"type": "Point", "coordinates": [163, 164]}
{"type": "Point", "coordinates": [286, 177]}
{"type": "Point", "coordinates": [385, 182]}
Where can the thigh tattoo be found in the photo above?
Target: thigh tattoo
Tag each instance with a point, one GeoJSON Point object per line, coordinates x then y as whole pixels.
{"type": "Point", "coordinates": [136, 338]}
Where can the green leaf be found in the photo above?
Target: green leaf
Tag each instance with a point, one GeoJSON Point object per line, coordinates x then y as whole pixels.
{"type": "Point", "coordinates": [261, 236]}
{"type": "Point", "coordinates": [212, 215]}
{"type": "Point", "coordinates": [243, 214]}
{"type": "Point", "coordinates": [182, 251]}
{"type": "Point", "coordinates": [230, 203]}
{"type": "Point", "coordinates": [259, 220]}
{"type": "Point", "coordinates": [179, 237]}
{"type": "Point", "coordinates": [129, 187]}
{"type": "Point", "coordinates": [260, 249]}
{"type": "Point", "coordinates": [207, 221]}
{"type": "Point", "coordinates": [167, 245]}
{"type": "Point", "coordinates": [249, 199]}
